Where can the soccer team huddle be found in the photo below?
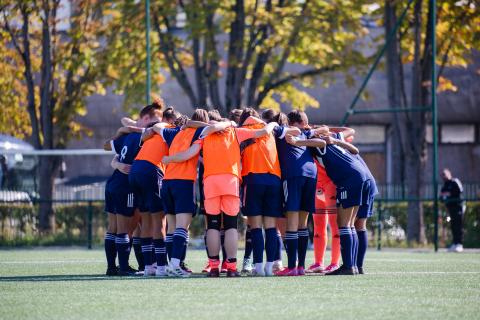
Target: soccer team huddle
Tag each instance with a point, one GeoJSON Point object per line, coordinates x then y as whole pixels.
{"type": "Point", "coordinates": [274, 169]}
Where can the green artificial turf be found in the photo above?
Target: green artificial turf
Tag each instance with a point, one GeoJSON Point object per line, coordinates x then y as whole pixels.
{"type": "Point", "coordinates": [69, 284]}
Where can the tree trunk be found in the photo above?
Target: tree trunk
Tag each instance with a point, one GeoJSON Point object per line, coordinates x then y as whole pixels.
{"type": "Point", "coordinates": [394, 90]}
{"type": "Point", "coordinates": [47, 168]}
{"type": "Point", "coordinates": [415, 154]}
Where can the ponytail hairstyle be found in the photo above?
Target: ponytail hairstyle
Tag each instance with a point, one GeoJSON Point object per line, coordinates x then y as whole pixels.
{"type": "Point", "coordinates": [281, 119]}
{"type": "Point", "coordinates": [153, 109]}
{"type": "Point", "coordinates": [170, 115]}
{"type": "Point", "coordinates": [181, 121]}
{"type": "Point", "coordinates": [268, 115]}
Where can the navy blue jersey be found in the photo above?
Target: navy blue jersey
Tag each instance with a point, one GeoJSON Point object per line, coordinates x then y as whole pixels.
{"type": "Point", "coordinates": [341, 166]}
{"type": "Point", "coordinates": [368, 173]}
{"type": "Point", "coordinates": [126, 147]}
{"type": "Point", "coordinates": [296, 161]}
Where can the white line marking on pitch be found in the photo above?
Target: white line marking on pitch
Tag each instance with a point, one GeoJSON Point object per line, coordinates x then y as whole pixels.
{"type": "Point", "coordinates": [423, 272]}
{"type": "Point", "coordinates": [51, 261]}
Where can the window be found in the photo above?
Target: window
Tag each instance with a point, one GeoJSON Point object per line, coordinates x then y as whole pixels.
{"type": "Point", "coordinates": [369, 134]}
{"type": "Point", "coordinates": [457, 133]}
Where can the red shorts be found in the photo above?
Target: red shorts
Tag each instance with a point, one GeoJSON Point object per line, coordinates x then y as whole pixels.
{"type": "Point", "coordinates": [326, 196]}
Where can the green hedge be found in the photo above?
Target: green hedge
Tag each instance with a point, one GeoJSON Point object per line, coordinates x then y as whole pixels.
{"type": "Point", "coordinates": [18, 225]}
{"type": "Point", "coordinates": [394, 222]}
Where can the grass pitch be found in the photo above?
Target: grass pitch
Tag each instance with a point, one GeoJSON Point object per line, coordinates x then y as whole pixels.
{"type": "Point", "coordinates": [69, 284]}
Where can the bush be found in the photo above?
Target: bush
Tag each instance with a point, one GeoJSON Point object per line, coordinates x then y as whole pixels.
{"type": "Point", "coordinates": [394, 224]}
{"type": "Point", "coordinates": [18, 225]}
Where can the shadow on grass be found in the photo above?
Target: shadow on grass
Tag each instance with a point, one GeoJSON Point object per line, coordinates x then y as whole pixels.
{"type": "Point", "coordinates": [85, 277]}
{"type": "Point", "coordinates": [99, 277]}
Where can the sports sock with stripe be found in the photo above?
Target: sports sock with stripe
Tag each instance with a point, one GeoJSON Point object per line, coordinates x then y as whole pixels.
{"type": "Point", "coordinates": [354, 247]}
{"type": "Point", "coordinates": [179, 239]}
{"type": "Point", "coordinates": [291, 239]}
{"type": "Point", "coordinates": [362, 246]}
{"type": "Point", "coordinates": [110, 249]}
{"type": "Point", "coordinates": [160, 252]}
{"type": "Point", "coordinates": [147, 248]}
{"type": "Point", "coordinates": [302, 246]}
{"type": "Point", "coordinates": [122, 242]}
{"type": "Point", "coordinates": [346, 244]}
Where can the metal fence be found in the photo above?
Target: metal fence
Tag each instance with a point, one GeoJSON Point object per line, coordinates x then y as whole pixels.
{"type": "Point", "coordinates": [80, 218]}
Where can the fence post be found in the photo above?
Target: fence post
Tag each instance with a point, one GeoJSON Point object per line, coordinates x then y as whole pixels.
{"type": "Point", "coordinates": [89, 225]}
{"type": "Point", "coordinates": [379, 226]}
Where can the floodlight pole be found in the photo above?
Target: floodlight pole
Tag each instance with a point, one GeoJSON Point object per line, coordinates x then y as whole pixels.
{"type": "Point", "coordinates": [433, 10]}
{"type": "Point", "coordinates": [147, 38]}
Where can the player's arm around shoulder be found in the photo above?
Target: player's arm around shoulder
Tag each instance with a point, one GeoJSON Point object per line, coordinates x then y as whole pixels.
{"type": "Point", "coordinates": [216, 127]}
{"type": "Point", "coordinates": [184, 155]}
{"type": "Point", "coordinates": [315, 142]}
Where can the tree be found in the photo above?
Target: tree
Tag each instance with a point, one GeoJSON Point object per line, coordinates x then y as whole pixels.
{"type": "Point", "coordinates": [59, 68]}
{"type": "Point", "coordinates": [458, 26]}
{"type": "Point", "coordinates": [264, 51]}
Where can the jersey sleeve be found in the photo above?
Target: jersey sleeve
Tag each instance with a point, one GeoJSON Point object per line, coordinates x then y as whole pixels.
{"type": "Point", "coordinates": [168, 134]}
{"type": "Point", "coordinates": [117, 144]}
{"type": "Point", "coordinates": [279, 132]}
{"type": "Point", "coordinates": [196, 135]}
{"type": "Point", "coordinates": [308, 133]}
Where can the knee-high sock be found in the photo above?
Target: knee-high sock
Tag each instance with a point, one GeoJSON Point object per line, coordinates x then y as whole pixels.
{"type": "Point", "coordinates": [302, 246]}
{"type": "Point", "coordinates": [319, 236]}
{"type": "Point", "coordinates": [271, 244]}
{"type": "Point", "coordinates": [355, 247]}
{"type": "Point", "coordinates": [257, 244]}
{"type": "Point", "coordinates": [147, 248]}
{"type": "Point", "coordinates": [122, 243]}
{"type": "Point", "coordinates": [291, 238]}
{"type": "Point", "coordinates": [137, 248]}
{"type": "Point", "coordinates": [179, 240]}
{"type": "Point", "coordinates": [362, 246]}
{"type": "Point", "coordinates": [184, 255]}
{"type": "Point", "coordinates": [160, 252]}
{"type": "Point", "coordinates": [346, 246]}
{"type": "Point", "coordinates": [110, 249]}
{"type": "Point", "coordinates": [248, 243]}
{"type": "Point", "coordinates": [332, 221]}
{"type": "Point", "coordinates": [278, 257]}
{"type": "Point", "coordinates": [169, 244]}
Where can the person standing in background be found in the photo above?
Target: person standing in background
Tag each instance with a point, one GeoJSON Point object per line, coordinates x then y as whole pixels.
{"type": "Point", "coordinates": [451, 196]}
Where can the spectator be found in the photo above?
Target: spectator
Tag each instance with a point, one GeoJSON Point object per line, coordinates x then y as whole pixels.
{"type": "Point", "coordinates": [451, 196]}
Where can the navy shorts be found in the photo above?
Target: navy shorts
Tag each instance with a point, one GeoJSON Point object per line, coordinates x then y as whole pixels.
{"type": "Point", "coordinates": [146, 181]}
{"type": "Point", "coordinates": [120, 203]}
{"type": "Point", "coordinates": [109, 202]}
{"type": "Point", "coordinates": [262, 200]}
{"type": "Point", "coordinates": [355, 194]}
{"type": "Point", "coordinates": [299, 193]}
{"type": "Point", "coordinates": [368, 196]}
{"type": "Point", "coordinates": [179, 196]}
